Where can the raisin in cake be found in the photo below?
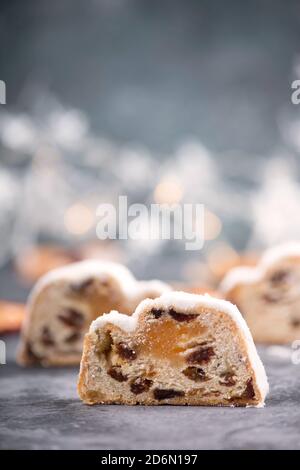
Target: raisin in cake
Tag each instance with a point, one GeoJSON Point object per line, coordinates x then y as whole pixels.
{"type": "Point", "coordinates": [66, 300]}
{"type": "Point", "coordinates": [268, 295]}
{"type": "Point", "coordinates": [179, 349]}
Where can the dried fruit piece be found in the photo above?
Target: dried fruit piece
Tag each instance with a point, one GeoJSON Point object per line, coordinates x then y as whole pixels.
{"type": "Point", "coordinates": [31, 355]}
{"type": "Point", "coordinates": [125, 351]}
{"type": "Point", "coordinates": [82, 286]}
{"type": "Point", "coordinates": [295, 322]}
{"type": "Point", "coordinates": [157, 312]}
{"type": "Point", "coordinates": [164, 393]}
{"type": "Point", "coordinates": [271, 297]}
{"type": "Point", "coordinates": [140, 385]}
{"type": "Point", "coordinates": [249, 390]}
{"type": "Point", "coordinates": [180, 317]}
{"type": "Point", "coordinates": [104, 345]}
{"type": "Point", "coordinates": [248, 393]}
{"type": "Point", "coordinates": [279, 276]}
{"type": "Point", "coordinates": [195, 373]}
{"type": "Point", "coordinates": [46, 337]}
{"type": "Point", "coordinates": [228, 379]}
{"type": "Point", "coordinates": [29, 351]}
{"type": "Point", "coordinates": [201, 355]}
{"type": "Point", "coordinates": [71, 317]}
{"type": "Point", "coordinates": [116, 373]}
{"type": "Point", "coordinates": [73, 338]}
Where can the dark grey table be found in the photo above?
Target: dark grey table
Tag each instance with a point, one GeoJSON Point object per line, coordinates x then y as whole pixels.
{"type": "Point", "coordinates": [39, 409]}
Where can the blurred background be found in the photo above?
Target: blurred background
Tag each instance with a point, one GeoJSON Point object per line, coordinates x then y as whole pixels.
{"type": "Point", "coordinates": [161, 101]}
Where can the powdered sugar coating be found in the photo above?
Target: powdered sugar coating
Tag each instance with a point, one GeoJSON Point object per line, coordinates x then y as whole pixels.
{"type": "Point", "coordinates": [77, 272]}
{"type": "Point", "coordinates": [240, 275]}
{"type": "Point", "coordinates": [252, 275]}
{"type": "Point", "coordinates": [279, 252]}
{"type": "Point", "coordinates": [186, 302]}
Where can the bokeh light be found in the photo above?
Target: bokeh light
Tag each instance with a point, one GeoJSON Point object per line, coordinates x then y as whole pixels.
{"type": "Point", "coordinates": [79, 219]}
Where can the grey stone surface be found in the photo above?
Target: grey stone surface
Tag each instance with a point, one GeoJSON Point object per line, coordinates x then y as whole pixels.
{"type": "Point", "coordinates": [39, 409]}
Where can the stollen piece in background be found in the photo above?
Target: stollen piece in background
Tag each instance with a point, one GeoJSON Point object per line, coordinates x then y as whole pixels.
{"type": "Point", "coordinates": [65, 301]}
{"type": "Point", "coordinates": [268, 295]}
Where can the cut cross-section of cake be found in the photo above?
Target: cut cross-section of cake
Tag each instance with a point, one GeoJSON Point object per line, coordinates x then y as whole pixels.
{"type": "Point", "coordinates": [65, 302]}
{"type": "Point", "coordinates": [268, 295]}
{"type": "Point", "coordinates": [179, 349]}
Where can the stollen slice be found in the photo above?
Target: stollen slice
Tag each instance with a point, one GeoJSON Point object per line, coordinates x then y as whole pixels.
{"type": "Point", "coordinates": [179, 349]}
